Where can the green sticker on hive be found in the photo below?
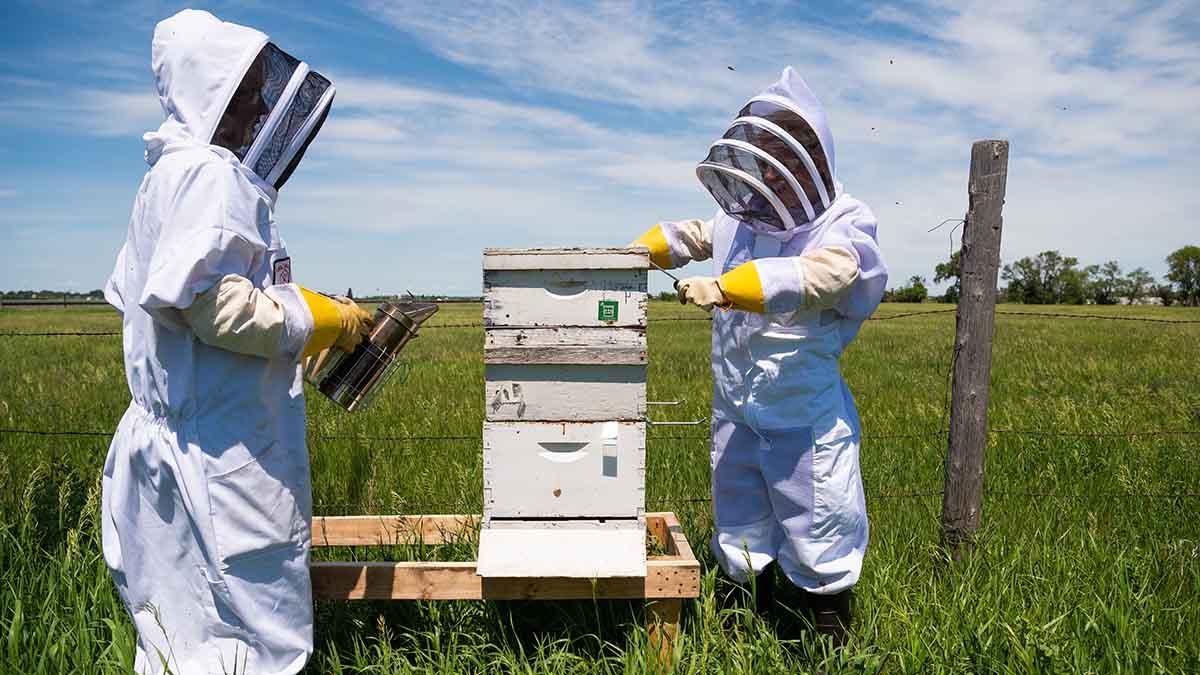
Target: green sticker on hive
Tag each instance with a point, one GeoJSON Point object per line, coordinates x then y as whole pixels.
{"type": "Point", "coordinates": [607, 310]}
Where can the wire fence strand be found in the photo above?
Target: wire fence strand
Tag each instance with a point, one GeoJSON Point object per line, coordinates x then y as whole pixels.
{"type": "Point", "coordinates": [418, 508]}
{"type": "Point", "coordinates": [888, 317]}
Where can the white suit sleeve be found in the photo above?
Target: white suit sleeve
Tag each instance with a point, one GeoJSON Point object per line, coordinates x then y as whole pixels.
{"type": "Point", "coordinates": [817, 279]}
{"type": "Point", "coordinates": [114, 288]}
{"type": "Point", "coordinates": [675, 244]}
{"type": "Point", "coordinates": [688, 240]}
{"type": "Point", "coordinates": [237, 317]}
{"type": "Point", "coordinates": [210, 230]}
{"type": "Point", "coordinates": [845, 272]}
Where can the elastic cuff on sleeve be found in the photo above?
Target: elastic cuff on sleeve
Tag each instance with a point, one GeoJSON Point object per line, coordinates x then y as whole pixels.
{"type": "Point", "coordinates": [782, 283]}
{"type": "Point", "coordinates": [298, 325]}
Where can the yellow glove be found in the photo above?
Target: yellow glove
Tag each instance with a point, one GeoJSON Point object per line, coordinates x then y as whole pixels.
{"type": "Point", "coordinates": [704, 292]}
{"type": "Point", "coordinates": [743, 288]}
{"type": "Point", "coordinates": [336, 323]}
{"type": "Point", "coordinates": [656, 241]}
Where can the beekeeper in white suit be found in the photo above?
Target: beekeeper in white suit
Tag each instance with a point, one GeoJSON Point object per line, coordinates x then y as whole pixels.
{"type": "Point", "coordinates": [797, 269]}
{"type": "Point", "coordinates": [206, 495]}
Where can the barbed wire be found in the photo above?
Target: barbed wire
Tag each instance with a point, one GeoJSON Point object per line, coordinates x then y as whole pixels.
{"type": "Point", "coordinates": [887, 317]}
{"type": "Point", "coordinates": [1099, 317]}
{"type": "Point", "coordinates": [675, 500]}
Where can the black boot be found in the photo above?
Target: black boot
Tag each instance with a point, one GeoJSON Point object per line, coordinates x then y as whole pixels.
{"type": "Point", "coordinates": [764, 590]}
{"type": "Point", "coordinates": [831, 615]}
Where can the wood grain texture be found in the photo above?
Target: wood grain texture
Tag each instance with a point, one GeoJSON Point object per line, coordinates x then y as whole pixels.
{"type": "Point", "coordinates": [662, 631]}
{"type": "Point", "coordinates": [440, 529]}
{"type": "Point", "coordinates": [388, 530]}
{"type": "Point", "coordinates": [676, 575]}
{"type": "Point", "coordinates": [565, 346]}
{"type": "Point", "coordinates": [607, 355]}
{"type": "Point", "coordinates": [565, 258]}
{"type": "Point", "coordinates": [974, 329]}
{"type": "Point", "coordinates": [564, 393]}
{"type": "Point", "coordinates": [458, 581]}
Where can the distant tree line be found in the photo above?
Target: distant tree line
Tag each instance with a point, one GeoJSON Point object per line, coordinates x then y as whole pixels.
{"type": "Point", "coordinates": [1053, 278]}
{"type": "Point", "coordinates": [44, 294]}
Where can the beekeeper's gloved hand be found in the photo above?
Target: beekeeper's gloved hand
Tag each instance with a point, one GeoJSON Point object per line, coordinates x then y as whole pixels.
{"type": "Point", "coordinates": [336, 323]}
{"type": "Point", "coordinates": [704, 292]}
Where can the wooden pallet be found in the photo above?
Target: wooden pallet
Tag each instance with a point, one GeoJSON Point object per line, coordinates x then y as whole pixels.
{"type": "Point", "coordinates": [669, 579]}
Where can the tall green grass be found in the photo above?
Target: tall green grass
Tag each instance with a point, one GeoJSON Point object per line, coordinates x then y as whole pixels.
{"type": "Point", "coordinates": [1089, 560]}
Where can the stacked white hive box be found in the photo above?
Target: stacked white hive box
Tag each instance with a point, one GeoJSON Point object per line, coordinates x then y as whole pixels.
{"type": "Point", "coordinates": [564, 441]}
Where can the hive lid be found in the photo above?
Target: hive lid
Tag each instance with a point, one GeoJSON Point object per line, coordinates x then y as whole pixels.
{"type": "Point", "coordinates": [576, 548]}
{"type": "Point", "coordinates": [541, 259]}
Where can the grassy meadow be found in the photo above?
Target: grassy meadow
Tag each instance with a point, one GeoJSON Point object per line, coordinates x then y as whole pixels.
{"type": "Point", "coordinates": [1089, 559]}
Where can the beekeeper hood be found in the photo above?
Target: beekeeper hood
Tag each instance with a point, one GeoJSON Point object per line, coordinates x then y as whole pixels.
{"type": "Point", "coordinates": [226, 85]}
{"type": "Point", "coordinates": [774, 166]}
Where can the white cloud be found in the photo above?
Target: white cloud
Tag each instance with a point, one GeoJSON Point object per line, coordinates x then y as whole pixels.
{"type": "Point", "coordinates": [88, 111]}
{"type": "Point", "coordinates": [617, 101]}
{"type": "Point", "coordinates": [1099, 102]}
{"type": "Point", "coordinates": [6, 193]}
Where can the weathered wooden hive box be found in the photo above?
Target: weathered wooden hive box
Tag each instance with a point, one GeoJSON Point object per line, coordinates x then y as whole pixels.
{"type": "Point", "coordinates": [564, 440]}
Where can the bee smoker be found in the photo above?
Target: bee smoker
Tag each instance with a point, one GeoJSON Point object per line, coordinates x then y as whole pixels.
{"type": "Point", "coordinates": [353, 380]}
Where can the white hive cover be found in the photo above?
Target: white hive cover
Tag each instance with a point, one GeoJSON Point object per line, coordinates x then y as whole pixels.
{"type": "Point", "coordinates": [584, 549]}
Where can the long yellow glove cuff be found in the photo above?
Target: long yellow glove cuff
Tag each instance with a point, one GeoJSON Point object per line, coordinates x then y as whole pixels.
{"type": "Point", "coordinates": [327, 324]}
{"type": "Point", "coordinates": [340, 324]}
{"type": "Point", "coordinates": [743, 288]}
{"type": "Point", "coordinates": [656, 241]}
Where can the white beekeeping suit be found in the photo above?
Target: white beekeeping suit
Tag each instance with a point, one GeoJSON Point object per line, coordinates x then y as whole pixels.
{"type": "Point", "coordinates": [206, 494]}
{"type": "Point", "coordinates": [798, 270]}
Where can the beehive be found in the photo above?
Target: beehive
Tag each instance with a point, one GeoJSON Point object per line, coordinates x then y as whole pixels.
{"type": "Point", "coordinates": [564, 452]}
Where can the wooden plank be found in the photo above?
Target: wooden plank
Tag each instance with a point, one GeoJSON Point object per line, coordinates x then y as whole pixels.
{"type": "Point", "coordinates": [565, 336]}
{"type": "Point", "coordinates": [565, 258]}
{"type": "Point", "coordinates": [596, 355]}
{"type": "Point", "coordinates": [679, 543]}
{"type": "Point", "coordinates": [662, 630]}
{"type": "Point", "coordinates": [657, 527]}
{"type": "Point", "coordinates": [565, 345]}
{"type": "Point", "coordinates": [440, 529]}
{"type": "Point", "coordinates": [963, 489]}
{"type": "Point", "coordinates": [564, 393]}
{"type": "Point", "coordinates": [458, 581]}
{"type": "Point", "coordinates": [385, 530]}
{"type": "Point", "coordinates": [556, 298]}
{"type": "Point", "coordinates": [564, 470]}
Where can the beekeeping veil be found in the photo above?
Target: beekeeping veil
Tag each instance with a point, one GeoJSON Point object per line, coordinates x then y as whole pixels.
{"type": "Point", "coordinates": [774, 166]}
{"type": "Point", "coordinates": [227, 85]}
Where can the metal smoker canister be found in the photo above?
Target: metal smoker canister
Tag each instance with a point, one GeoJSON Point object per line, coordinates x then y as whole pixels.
{"type": "Point", "coordinates": [353, 380]}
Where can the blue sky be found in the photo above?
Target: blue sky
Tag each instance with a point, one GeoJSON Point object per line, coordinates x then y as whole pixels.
{"type": "Point", "coordinates": [461, 125]}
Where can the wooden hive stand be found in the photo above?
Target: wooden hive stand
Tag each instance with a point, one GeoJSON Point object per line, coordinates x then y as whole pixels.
{"type": "Point", "coordinates": [670, 577]}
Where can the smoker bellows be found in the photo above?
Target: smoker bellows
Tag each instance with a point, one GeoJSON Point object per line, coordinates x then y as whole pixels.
{"type": "Point", "coordinates": [564, 458]}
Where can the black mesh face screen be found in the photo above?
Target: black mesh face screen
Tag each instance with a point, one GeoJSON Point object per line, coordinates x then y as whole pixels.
{"type": "Point", "coordinates": [738, 198]}
{"type": "Point", "coordinates": [253, 106]}
{"type": "Point", "coordinates": [307, 97]}
{"type": "Point", "coordinates": [772, 173]}
{"type": "Point", "coordinates": [246, 112]}
{"type": "Point", "coordinates": [800, 130]}
{"type": "Point", "coordinates": [287, 173]}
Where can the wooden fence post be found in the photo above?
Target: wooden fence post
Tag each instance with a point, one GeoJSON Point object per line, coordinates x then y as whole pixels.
{"type": "Point", "coordinates": [963, 490]}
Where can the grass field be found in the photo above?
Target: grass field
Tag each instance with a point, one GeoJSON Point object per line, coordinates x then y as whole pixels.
{"type": "Point", "coordinates": [1089, 560]}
